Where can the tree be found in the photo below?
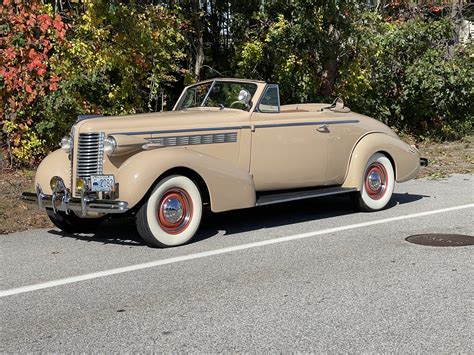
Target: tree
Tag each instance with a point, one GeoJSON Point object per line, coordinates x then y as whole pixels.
{"type": "Point", "coordinates": [120, 59]}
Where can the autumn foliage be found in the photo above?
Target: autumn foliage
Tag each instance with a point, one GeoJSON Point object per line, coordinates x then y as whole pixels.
{"type": "Point", "coordinates": [29, 35]}
{"type": "Point", "coordinates": [406, 63]}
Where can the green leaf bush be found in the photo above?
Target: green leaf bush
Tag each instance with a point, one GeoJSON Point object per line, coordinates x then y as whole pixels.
{"type": "Point", "coordinates": [410, 76]}
{"type": "Point", "coordinates": [113, 57]}
{"type": "Point", "coordinates": [118, 59]}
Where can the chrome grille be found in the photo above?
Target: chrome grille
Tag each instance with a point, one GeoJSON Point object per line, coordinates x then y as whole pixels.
{"type": "Point", "coordinates": [89, 154]}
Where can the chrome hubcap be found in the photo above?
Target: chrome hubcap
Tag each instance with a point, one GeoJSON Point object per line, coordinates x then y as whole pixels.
{"type": "Point", "coordinates": [172, 210]}
{"type": "Point", "coordinates": [175, 211]}
{"type": "Point", "coordinates": [375, 181]}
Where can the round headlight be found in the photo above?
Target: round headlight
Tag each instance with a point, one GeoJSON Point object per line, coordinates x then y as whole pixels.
{"type": "Point", "coordinates": [110, 144]}
{"type": "Point", "coordinates": [66, 143]}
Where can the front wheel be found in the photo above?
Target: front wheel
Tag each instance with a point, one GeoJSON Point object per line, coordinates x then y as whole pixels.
{"type": "Point", "coordinates": [378, 184]}
{"type": "Point", "coordinates": [172, 214]}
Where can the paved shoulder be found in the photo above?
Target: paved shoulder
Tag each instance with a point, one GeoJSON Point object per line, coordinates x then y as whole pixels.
{"type": "Point", "coordinates": [339, 281]}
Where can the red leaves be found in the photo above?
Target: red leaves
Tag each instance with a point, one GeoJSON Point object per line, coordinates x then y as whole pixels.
{"type": "Point", "coordinates": [31, 21]}
{"type": "Point", "coordinates": [32, 53]}
{"type": "Point", "coordinates": [10, 53]}
{"type": "Point", "coordinates": [53, 87]}
{"type": "Point", "coordinates": [9, 74]}
{"type": "Point", "coordinates": [437, 8]}
{"type": "Point", "coordinates": [36, 60]}
{"type": "Point", "coordinates": [45, 22]}
{"type": "Point", "coordinates": [27, 47]}
{"type": "Point", "coordinates": [58, 23]}
{"type": "Point", "coordinates": [62, 34]}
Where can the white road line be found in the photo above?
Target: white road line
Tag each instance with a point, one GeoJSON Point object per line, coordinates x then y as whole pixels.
{"type": "Point", "coordinates": [177, 259]}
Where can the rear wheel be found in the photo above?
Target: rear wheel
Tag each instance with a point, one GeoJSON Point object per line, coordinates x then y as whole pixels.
{"type": "Point", "coordinates": [172, 214]}
{"type": "Point", "coordinates": [378, 184]}
{"type": "Point", "coordinates": [71, 223]}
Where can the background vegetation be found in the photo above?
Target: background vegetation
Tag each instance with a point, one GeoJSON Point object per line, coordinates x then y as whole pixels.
{"type": "Point", "coordinates": [405, 63]}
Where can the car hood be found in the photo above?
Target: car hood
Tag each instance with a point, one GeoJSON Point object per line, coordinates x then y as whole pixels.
{"type": "Point", "coordinates": [154, 123]}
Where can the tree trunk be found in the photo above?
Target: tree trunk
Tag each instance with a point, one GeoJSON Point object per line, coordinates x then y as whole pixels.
{"type": "Point", "coordinates": [328, 77]}
{"type": "Point", "coordinates": [199, 59]}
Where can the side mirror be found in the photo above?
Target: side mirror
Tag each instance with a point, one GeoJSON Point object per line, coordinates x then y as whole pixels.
{"type": "Point", "coordinates": [244, 97]}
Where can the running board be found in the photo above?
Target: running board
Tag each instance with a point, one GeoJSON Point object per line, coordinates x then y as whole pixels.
{"type": "Point", "coordinates": [270, 199]}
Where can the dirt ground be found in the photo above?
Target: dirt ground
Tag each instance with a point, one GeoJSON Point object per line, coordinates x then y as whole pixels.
{"type": "Point", "coordinates": [15, 215]}
{"type": "Point", "coordinates": [447, 158]}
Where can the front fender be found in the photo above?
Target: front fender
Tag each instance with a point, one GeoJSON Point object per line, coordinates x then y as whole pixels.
{"type": "Point", "coordinates": [405, 158]}
{"type": "Point", "coordinates": [229, 187]}
{"type": "Point", "coordinates": [55, 164]}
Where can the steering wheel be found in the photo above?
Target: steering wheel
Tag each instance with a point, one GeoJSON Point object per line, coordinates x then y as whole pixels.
{"type": "Point", "coordinates": [236, 102]}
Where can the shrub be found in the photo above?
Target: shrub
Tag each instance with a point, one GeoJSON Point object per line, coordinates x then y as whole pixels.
{"type": "Point", "coordinates": [409, 75]}
{"type": "Point", "coordinates": [438, 94]}
{"type": "Point", "coordinates": [120, 58]}
{"type": "Point", "coordinates": [29, 36]}
{"type": "Point", "coordinates": [405, 71]}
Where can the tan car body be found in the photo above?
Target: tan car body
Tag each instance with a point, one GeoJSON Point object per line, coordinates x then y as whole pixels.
{"type": "Point", "coordinates": [301, 146]}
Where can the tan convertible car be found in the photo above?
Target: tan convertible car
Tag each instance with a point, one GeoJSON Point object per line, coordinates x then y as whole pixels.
{"type": "Point", "coordinates": [227, 144]}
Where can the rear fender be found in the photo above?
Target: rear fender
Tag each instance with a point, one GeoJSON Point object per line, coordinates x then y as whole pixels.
{"type": "Point", "coordinates": [229, 187]}
{"type": "Point", "coordinates": [406, 159]}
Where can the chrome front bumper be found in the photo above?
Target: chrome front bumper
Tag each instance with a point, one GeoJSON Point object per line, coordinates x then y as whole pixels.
{"type": "Point", "coordinates": [61, 200]}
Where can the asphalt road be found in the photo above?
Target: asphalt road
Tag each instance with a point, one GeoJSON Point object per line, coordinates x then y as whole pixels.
{"type": "Point", "coordinates": [301, 276]}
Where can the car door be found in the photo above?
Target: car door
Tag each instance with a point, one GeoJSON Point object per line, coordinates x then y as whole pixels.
{"type": "Point", "coordinates": [343, 132]}
{"type": "Point", "coordinates": [289, 150]}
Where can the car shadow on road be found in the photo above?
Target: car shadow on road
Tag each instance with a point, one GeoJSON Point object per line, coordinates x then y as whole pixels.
{"type": "Point", "coordinates": [240, 221]}
{"type": "Point", "coordinates": [124, 232]}
{"type": "Point", "coordinates": [116, 231]}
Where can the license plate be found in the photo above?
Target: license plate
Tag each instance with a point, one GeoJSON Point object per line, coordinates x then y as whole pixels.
{"type": "Point", "coordinates": [103, 183]}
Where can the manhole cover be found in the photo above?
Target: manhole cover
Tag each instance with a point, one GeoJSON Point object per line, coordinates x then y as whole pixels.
{"type": "Point", "coordinates": [441, 240]}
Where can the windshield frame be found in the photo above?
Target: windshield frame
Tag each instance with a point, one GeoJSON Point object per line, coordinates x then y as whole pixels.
{"type": "Point", "coordinates": [213, 82]}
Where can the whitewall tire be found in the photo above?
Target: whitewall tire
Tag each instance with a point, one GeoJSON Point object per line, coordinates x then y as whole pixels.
{"type": "Point", "coordinates": [172, 214]}
{"type": "Point", "coordinates": [377, 185]}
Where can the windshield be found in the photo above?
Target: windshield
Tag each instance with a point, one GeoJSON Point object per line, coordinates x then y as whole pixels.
{"type": "Point", "coordinates": [217, 94]}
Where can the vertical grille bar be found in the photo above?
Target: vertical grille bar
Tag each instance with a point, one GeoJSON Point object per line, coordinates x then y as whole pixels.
{"type": "Point", "coordinates": [89, 154]}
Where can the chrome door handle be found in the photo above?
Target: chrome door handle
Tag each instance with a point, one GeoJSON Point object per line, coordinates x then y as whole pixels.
{"type": "Point", "coordinates": [323, 129]}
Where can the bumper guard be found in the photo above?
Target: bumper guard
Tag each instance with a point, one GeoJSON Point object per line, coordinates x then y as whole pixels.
{"type": "Point", "coordinates": [61, 200]}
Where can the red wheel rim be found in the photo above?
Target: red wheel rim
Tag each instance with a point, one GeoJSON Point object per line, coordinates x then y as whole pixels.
{"type": "Point", "coordinates": [175, 211]}
{"type": "Point", "coordinates": [376, 181]}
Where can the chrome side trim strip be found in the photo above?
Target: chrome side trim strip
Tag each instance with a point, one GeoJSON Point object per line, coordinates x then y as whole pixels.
{"type": "Point", "coordinates": [309, 123]}
{"type": "Point", "coordinates": [301, 195]}
{"type": "Point", "coordinates": [269, 125]}
{"type": "Point", "coordinates": [184, 130]}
